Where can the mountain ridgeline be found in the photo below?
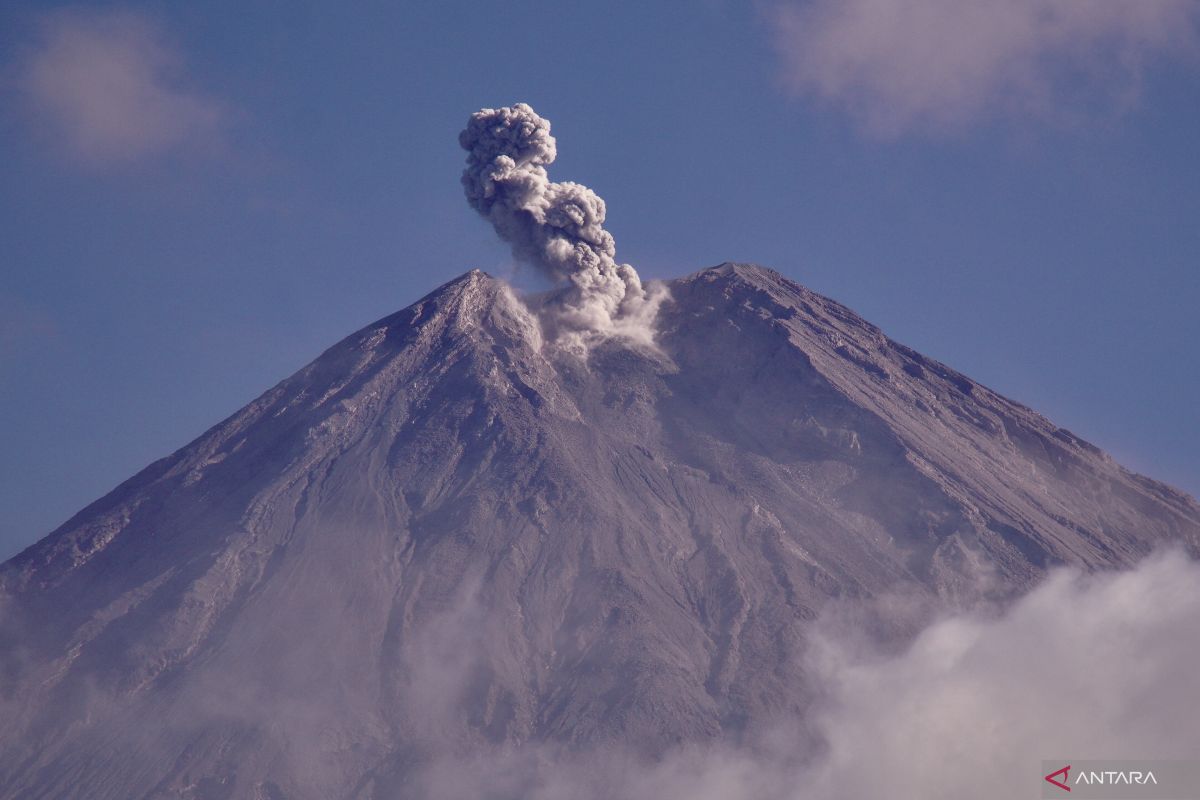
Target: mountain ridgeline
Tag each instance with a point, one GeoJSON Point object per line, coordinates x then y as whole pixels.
{"type": "Point", "coordinates": [444, 537]}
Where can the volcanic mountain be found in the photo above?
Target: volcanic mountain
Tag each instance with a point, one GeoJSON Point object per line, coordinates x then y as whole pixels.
{"type": "Point", "coordinates": [446, 536]}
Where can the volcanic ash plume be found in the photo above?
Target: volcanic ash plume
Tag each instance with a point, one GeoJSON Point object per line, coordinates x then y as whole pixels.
{"type": "Point", "coordinates": [557, 227]}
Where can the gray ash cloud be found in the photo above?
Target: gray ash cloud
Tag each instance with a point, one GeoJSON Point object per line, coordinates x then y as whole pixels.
{"type": "Point", "coordinates": [556, 227]}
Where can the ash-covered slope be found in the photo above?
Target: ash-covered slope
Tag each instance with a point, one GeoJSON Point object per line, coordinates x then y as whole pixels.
{"type": "Point", "coordinates": [442, 537]}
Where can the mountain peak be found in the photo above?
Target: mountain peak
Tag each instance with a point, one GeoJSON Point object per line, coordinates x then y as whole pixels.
{"type": "Point", "coordinates": [469, 295]}
{"type": "Point", "coordinates": [740, 269]}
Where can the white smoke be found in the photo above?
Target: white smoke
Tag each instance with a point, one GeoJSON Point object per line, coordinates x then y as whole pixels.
{"type": "Point", "coordinates": [556, 227]}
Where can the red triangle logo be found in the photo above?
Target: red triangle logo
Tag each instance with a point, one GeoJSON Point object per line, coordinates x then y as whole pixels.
{"type": "Point", "coordinates": [1064, 773]}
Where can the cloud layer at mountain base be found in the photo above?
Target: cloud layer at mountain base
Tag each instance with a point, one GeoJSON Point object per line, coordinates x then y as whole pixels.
{"type": "Point", "coordinates": [1097, 666]}
{"type": "Point", "coordinates": [1087, 666]}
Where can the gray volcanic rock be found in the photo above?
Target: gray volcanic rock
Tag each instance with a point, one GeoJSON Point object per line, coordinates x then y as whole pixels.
{"type": "Point", "coordinates": [443, 537]}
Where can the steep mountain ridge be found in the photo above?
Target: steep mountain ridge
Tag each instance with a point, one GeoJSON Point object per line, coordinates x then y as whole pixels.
{"type": "Point", "coordinates": [445, 535]}
{"type": "Point", "coordinates": [986, 451]}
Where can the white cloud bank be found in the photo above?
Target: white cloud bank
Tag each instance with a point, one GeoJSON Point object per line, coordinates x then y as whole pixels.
{"type": "Point", "coordinates": [1100, 666]}
{"type": "Point", "coordinates": [112, 88]}
{"type": "Point", "coordinates": [1086, 667]}
{"type": "Point", "coordinates": [943, 64]}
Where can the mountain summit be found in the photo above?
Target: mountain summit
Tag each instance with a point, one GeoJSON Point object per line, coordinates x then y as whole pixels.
{"type": "Point", "coordinates": [444, 536]}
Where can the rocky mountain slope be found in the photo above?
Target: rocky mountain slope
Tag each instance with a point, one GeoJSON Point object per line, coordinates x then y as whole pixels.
{"type": "Point", "coordinates": [444, 536]}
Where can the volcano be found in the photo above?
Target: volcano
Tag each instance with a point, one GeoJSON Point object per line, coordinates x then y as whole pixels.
{"type": "Point", "coordinates": [445, 536]}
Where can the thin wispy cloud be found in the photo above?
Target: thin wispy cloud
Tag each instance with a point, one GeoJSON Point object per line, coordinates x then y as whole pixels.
{"type": "Point", "coordinates": [111, 87]}
{"type": "Point", "coordinates": [938, 65]}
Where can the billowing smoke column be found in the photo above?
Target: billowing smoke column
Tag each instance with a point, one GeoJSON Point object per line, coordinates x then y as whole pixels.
{"type": "Point", "coordinates": [557, 227]}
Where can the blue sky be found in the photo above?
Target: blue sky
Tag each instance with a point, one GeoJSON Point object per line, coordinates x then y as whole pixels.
{"type": "Point", "coordinates": [198, 198]}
